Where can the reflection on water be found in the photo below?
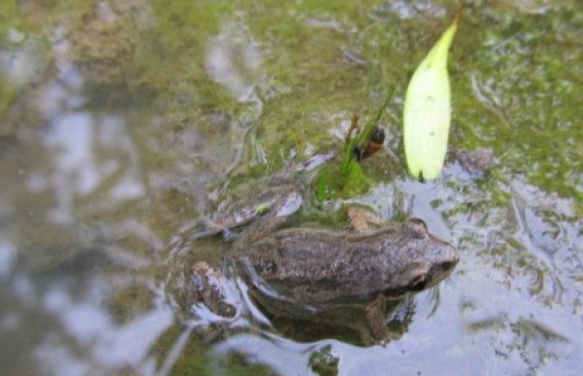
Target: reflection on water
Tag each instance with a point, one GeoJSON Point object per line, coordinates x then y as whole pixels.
{"type": "Point", "coordinates": [7, 258]}
{"type": "Point", "coordinates": [22, 65]}
{"type": "Point", "coordinates": [119, 120]}
{"type": "Point", "coordinates": [74, 140]}
{"type": "Point", "coordinates": [109, 345]}
{"type": "Point", "coordinates": [227, 63]}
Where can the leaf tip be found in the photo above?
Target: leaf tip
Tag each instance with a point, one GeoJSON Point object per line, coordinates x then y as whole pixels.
{"type": "Point", "coordinates": [458, 13]}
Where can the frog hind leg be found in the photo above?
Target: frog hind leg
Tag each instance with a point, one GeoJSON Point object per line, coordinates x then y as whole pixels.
{"type": "Point", "coordinates": [377, 322]}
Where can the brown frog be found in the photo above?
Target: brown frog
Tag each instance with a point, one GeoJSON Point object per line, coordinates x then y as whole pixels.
{"type": "Point", "coordinates": [316, 267]}
{"type": "Point", "coordinates": [311, 274]}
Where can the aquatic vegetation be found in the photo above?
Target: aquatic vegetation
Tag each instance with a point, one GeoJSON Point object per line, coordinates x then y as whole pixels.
{"type": "Point", "coordinates": [349, 179]}
{"type": "Point", "coordinates": [7, 95]}
{"type": "Point", "coordinates": [427, 111]}
{"type": "Point", "coordinates": [367, 141]}
{"type": "Point", "coordinates": [323, 362]}
{"type": "Point", "coordinates": [9, 17]}
{"type": "Point", "coordinates": [158, 119]}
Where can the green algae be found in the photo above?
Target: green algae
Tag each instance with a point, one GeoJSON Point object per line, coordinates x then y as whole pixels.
{"type": "Point", "coordinates": [9, 18]}
{"type": "Point", "coordinates": [170, 58]}
{"type": "Point", "coordinates": [7, 96]}
{"type": "Point", "coordinates": [323, 362]}
{"type": "Point", "coordinates": [518, 82]}
{"type": "Point", "coordinates": [130, 301]}
{"type": "Point", "coordinates": [496, 95]}
{"type": "Point", "coordinates": [197, 357]}
{"type": "Point", "coordinates": [338, 182]}
{"type": "Point", "coordinates": [194, 360]}
{"type": "Point", "coordinates": [238, 364]}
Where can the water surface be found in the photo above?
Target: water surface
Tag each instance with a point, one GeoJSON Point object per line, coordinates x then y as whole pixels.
{"type": "Point", "coordinates": [121, 120]}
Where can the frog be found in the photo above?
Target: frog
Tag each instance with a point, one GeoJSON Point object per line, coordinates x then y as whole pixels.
{"type": "Point", "coordinates": [315, 274]}
{"type": "Point", "coordinates": [311, 274]}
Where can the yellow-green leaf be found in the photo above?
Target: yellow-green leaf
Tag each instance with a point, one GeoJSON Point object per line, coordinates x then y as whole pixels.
{"type": "Point", "coordinates": [427, 111]}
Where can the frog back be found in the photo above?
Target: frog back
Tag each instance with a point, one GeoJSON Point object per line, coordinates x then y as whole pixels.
{"type": "Point", "coordinates": [320, 267]}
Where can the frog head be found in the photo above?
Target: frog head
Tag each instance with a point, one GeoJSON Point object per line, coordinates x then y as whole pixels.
{"type": "Point", "coordinates": [423, 259]}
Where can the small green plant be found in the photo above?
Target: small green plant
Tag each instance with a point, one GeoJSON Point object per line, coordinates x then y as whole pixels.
{"type": "Point", "coordinates": [348, 179]}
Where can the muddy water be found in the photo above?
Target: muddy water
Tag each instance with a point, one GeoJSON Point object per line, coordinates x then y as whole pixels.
{"type": "Point", "coordinates": [121, 120]}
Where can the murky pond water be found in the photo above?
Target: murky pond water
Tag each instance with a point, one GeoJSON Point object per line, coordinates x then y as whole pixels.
{"type": "Point", "coordinates": [120, 121]}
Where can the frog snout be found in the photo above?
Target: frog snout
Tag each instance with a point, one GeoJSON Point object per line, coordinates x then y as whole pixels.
{"type": "Point", "coordinates": [451, 258]}
{"type": "Point", "coordinates": [448, 265]}
{"type": "Point", "coordinates": [444, 266]}
{"type": "Point", "coordinates": [444, 255]}
{"type": "Point", "coordinates": [445, 261]}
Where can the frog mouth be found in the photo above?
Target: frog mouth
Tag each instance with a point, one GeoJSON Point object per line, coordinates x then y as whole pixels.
{"type": "Point", "coordinates": [441, 272]}
{"type": "Point", "coordinates": [424, 279]}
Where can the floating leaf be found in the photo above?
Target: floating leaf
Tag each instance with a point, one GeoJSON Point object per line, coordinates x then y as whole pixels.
{"type": "Point", "coordinates": [427, 111]}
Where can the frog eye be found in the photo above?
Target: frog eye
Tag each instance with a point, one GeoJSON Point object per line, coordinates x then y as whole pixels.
{"type": "Point", "coordinates": [418, 282]}
{"type": "Point", "coordinates": [413, 277]}
{"type": "Point", "coordinates": [417, 227]}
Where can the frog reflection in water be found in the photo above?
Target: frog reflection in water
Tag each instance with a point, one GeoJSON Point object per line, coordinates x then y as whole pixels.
{"type": "Point", "coordinates": [308, 273]}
